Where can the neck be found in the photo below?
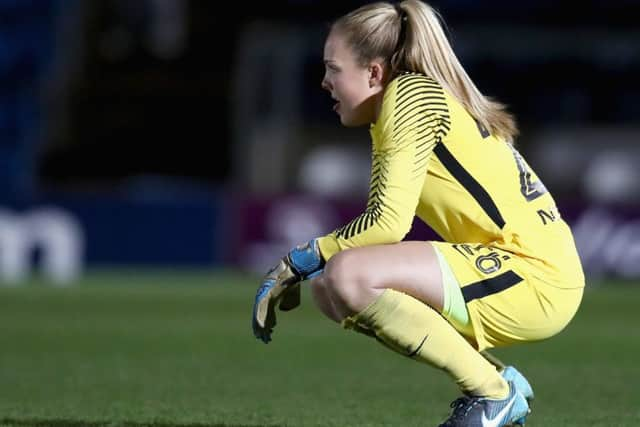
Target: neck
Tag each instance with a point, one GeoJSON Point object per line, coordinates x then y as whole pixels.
{"type": "Point", "coordinates": [377, 102]}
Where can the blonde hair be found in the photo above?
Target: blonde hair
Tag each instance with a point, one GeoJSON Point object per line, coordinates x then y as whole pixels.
{"type": "Point", "coordinates": [409, 37]}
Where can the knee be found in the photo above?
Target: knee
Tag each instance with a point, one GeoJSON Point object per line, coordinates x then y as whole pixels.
{"type": "Point", "coordinates": [339, 273]}
{"type": "Point", "coordinates": [348, 281]}
{"type": "Point", "coordinates": [319, 291]}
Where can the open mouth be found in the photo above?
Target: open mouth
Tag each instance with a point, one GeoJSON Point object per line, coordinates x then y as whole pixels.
{"type": "Point", "coordinates": [336, 106]}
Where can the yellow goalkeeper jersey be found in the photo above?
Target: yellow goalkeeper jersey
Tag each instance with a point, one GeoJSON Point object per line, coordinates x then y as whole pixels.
{"type": "Point", "coordinates": [430, 158]}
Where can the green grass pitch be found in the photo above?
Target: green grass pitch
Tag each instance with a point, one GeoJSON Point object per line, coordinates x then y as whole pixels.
{"type": "Point", "coordinates": [175, 349]}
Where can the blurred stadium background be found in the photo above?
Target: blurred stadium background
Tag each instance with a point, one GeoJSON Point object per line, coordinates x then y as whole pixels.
{"type": "Point", "coordinates": [152, 148]}
{"type": "Point", "coordinates": [170, 133]}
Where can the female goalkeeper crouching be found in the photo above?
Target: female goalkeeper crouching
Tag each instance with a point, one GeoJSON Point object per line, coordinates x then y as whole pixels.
{"type": "Point", "coordinates": [507, 270]}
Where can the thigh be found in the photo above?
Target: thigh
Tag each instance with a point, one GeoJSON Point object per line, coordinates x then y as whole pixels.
{"type": "Point", "coordinates": [509, 300]}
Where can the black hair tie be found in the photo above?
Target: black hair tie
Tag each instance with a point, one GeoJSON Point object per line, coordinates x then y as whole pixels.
{"type": "Point", "coordinates": [401, 12]}
{"type": "Point", "coordinates": [403, 25]}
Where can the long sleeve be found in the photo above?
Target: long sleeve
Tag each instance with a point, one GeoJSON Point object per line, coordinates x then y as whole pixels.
{"type": "Point", "coordinates": [413, 119]}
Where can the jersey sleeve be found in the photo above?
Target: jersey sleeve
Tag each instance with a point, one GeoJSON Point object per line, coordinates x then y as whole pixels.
{"type": "Point", "coordinates": [413, 119]}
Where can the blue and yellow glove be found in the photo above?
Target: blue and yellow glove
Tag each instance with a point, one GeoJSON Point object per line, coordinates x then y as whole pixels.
{"type": "Point", "coordinates": [281, 285]}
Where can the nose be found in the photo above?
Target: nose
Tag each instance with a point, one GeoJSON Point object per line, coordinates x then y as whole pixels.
{"type": "Point", "coordinates": [325, 83]}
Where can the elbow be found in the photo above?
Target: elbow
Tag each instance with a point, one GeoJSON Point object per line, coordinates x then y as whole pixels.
{"type": "Point", "coordinates": [398, 231]}
{"type": "Point", "coordinates": [400, 234]}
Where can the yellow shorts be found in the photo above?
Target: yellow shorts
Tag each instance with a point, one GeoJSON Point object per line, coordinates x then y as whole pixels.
{"type": "Point", "coordinates": [508, 298]}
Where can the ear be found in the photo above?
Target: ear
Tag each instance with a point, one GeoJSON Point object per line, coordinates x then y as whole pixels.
{"type": "Point", "coordinates": [377, 74]}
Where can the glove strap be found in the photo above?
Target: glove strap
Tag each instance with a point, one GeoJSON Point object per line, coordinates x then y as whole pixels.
{"type": "Point", "coordinates": [306, 259]}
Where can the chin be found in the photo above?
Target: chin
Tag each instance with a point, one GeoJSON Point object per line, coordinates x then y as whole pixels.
{"type": "Point", "coordinates": [352, 122]}
{"type": "Point", "coordinates": [346, 122]}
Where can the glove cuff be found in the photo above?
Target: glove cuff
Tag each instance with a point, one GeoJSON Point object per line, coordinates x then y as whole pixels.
{"type": "Point", "coordinates": [306, 259]}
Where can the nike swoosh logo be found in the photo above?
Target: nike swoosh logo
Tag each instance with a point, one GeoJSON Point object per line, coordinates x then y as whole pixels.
{"type": "Point", "coordinates": [495, 422]}
{"type": "Point", "coordinates": [414, 352]}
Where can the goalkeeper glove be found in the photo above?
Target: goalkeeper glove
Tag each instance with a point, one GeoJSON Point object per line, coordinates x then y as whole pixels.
{"type": "Point", "coordinates": [281, 285]}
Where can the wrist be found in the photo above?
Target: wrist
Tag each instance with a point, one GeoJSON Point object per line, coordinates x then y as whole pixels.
{"type": "Point", "coordinates": [306, 259]}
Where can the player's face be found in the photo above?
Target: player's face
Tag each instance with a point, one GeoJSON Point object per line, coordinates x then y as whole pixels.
{"type": "Point", "coordinates": [349, 83]}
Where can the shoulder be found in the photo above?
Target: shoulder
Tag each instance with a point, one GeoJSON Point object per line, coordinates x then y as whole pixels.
{"type": "Point", "coordinates": [416, 92]}
{"type": "Point", "coordinates": [410, 82]}
{"type": "Point", "coordinates": [416, 95]}
{"type": "Point", "coordinates": [412, 102]}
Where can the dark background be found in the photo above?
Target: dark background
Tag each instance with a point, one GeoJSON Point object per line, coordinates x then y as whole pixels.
{"type": "Point", "coordinates": [177, 108]}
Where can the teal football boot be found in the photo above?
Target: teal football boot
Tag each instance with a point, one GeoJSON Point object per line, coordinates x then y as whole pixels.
{"type": "Point", "coordinates": [469, 411]}
{"type": "Point", "coordinates": [522, 386]}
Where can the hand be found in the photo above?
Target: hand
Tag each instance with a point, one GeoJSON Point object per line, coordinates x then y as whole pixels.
{"type": "Point", "coordinates": [281, 285]}
{"type": "Point", "coordinates": [272, 290]}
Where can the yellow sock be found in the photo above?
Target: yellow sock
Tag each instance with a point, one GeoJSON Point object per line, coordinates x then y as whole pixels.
{"type": "Point", "coordinates": [414, 329]}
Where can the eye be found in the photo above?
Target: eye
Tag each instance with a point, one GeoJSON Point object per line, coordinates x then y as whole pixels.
{"type": "Point", "coordinates": [332, 67]}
